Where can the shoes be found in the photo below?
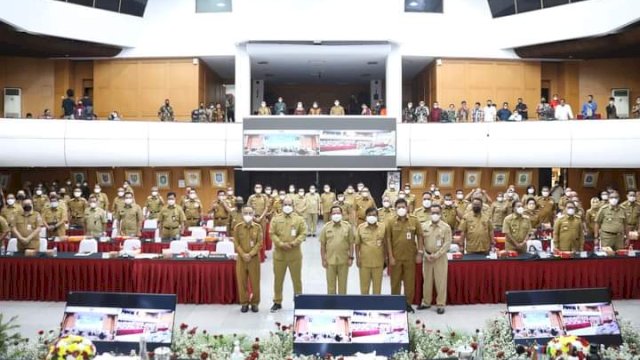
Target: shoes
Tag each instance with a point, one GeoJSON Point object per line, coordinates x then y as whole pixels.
{"type": "Point", "coordinates": [244, 308]}
{"type": "Point", "coordinates": [254, 308]}
{"type": "Point", "coordinates": [440, 311]}
{"type": "Point", "coordinates": [276, 307]}
{"type": "Point", "coordinates": [423, 307]}
{"type": "Point", "coordinates": [410, 309]}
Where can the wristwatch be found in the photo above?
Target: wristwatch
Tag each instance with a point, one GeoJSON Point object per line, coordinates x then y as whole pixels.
{"type": "Point", "coordinates": [350, 257]}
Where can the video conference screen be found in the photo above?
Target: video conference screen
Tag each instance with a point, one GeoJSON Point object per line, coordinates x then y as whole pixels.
{"type": "Point", "coordinates": [116, 321]}
{"type": "Point", "coordinates": [344, 325]}
{"type": "Point", "coordinates": [319, 143]}
{"type": "Point", "coordinates": [542, 315]}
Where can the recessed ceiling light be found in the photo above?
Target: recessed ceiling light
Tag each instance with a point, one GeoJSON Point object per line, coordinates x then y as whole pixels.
{"type": "Point", "coordinates": [372, 63]}
{"type": "Point", "coordinates": [263, 62]}
{"type": "Point", "coordinates": [268, 75]}
{"type": "Point", "coordinates": [221, 4]}
{"type": "Point", "coordinates": [365, 75]}
{"type": "Point", "coordinates": [413, 4]}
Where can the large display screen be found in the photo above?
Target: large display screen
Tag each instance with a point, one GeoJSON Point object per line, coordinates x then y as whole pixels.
{"type": "Point", "coordinates": [116, 321]}
{"type": "Point", "coordinates": [344, 325]}
{"type": "Point", "coordinates": [319, 143]}
{"type": "Point", "coordinates": [542, 315]}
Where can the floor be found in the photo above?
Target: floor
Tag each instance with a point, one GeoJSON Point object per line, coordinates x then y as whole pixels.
{"type": "Point", "coordinates": [34, 316]}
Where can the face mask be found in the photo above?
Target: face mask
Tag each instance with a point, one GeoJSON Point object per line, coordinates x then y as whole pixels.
{"type": "Point", "coordinates": [54, 204]}
{"type": "Point", "coordinates": [401, 212]}
{"type": "Point", "coordinates": [128, 201]}
{"type": "Point", "coordinates": [336, 103]}
{"type": "Point", "coordinates": [268, 191]}
{"type": "Point", "coordinates": [313, 191]}
{"type": "Point", "coordinates": [613, 201]}
{"type": "Point", "coordinates": [69, 183]}
{"type": "Point", "coordinates": [97, 191]}
{"type": "Point", "coordinates": [11, 201]}
{"type": "Point", "coordinates": [292, 190]}
{"type": "Point", "coordinates": [327, 189]}
{"type": "Point", "coordinates": [20, 196]}
{"type": "Point", "coordinates": [258, 190]}
{"type": "Point", "coordinates": [426, 203]}
{"type": "Point", "coordinates": [448, 202]}
{"type": "Point", "coordinates": [435, 217]}
{"type": "Point", "coordinates": [38, 192]}
{"type": "Point", "coordinates": [93, 205]}
{"type": "Point", "coordinates": [282, 197]}
{"type": "Point", "coordinates": [459, 196]}
{"type": "Point", "coordinates": [530, 191]}
{"type": "Point", "coordinates": [545, 193]}
{"type": "Point", "coordinates": [365, 195]}
{"type": "Point", "coordinates": [315, 106]}
{"type": "Point", "coordinates": [605, 196]}
{"type": "Point", "coordinates": [27, 208]}
{"type": "Point", "coordinates": [247, 218]}
{"type": "Point", "coordinates": [192, 196]}
{"type": "Point", "coordinates": [401, 196]}
{"type": "Point", "coordinates": [477, 209]}
{"type": "Point", "coordinates": [372, 219]}
{"type": "Point", "coordinates": [171, 202]}
{"type": "Point", "coordinates": [432, 189]}
{"type": "Point", "coordinates": [386, 204]}
{"type": "Point", "coordinates": [154, 193]}
{"type": "Point", "coordinates": [350, 191]}
{"type": "Point", "coordinates": [520, 210]}
{"type": "Point", "coordinates": [120, 193]}
{"type": "Point", "coordinates": [77, 194]}
{"type": "Point", "coordinates": [571, 211]}
{"type": "Point", "coordinates": [632, 198]}
{"type": "Point", "coordinates": [407, 190]}
{"type": "Point", "coordinates": [531, 206]}
{"type": "Point", "coordinates": [437, 193]}
{"type": "Point", "coordinates": [230, 193]}
{"type": "Point", "coordinates": [300, 193]}
{"type": "Point", "coordinates": [360, 188]}
{"type": "Point", "coordinates": [340, 199]}
{"type": "Point", "coordinates": [336, 217]}
{"type": "Point", "coordinates": [287, 209]}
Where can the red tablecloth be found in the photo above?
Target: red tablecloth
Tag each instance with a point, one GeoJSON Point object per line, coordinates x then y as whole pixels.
{"type": "Point", "coordinates": [268, 244]}
{"type": "Point", "coordinates": [486, 281]}
{"type": "Point", "coordinates": [147, 247]}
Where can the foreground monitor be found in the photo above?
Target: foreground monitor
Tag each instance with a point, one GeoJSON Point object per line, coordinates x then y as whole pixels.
{"type": "Point", "coordinates": [116, 321]}
{"type": "Point", "coordinates": [542, 315]}
{"type": "Point", "coordinates": [344, 325]}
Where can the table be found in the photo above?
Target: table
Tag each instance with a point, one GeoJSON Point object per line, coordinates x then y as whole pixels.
{"type": "Point", "coordinates": [477, 280]}
{"type": "Point", "coordinates": [194, 281]}
{"type": "Point", "coordinates": [147, 247]}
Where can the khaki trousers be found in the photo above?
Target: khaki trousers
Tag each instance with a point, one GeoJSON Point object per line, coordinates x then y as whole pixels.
{"type": "Point", "coordinates": [404, 273]}
{"type": "Point", "coordinates": [371, 279]}
{"type": "Point", "coordinates": [616, 242]}
{"type": "Point", "coordinates": [337, 274]}
{"type": "Point", "coordinates": [248, 271]}
{"type": "Point", "coordinates": [326, 217]}
{"type": "Point", "coordinates": [436, 270]}
{"type": "Point", "coordinates": [312, 222]}
{"type": "Point", "coordinates": [279, 270]}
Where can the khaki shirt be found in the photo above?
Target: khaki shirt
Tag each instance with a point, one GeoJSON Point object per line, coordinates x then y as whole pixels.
{"type": "Point", "coordinates": [130, 218]}
{"type": "Point", "coordinates": [154, 205]}
{"type": "Point", "coordinates": [347, 210]}
{"type": "Point", "coordinates": [277, 207]}
{"type": "Point", "coordinates": [391, 194]}
{"type": "Point", "coordinates": [287, 229]}
{"type": "Point", "coordinates": [299, 204]}
{"type": "Point", "coordinates": [563, 202]}
{"type": "Point", "coordinates": [534, 217]}
{"type": "Point", "coordinates": [612, 220]}
{"type": "Point", "coordinates": [103, 200]}
{"type": "Point", "coordinates": [264, 110]}
{"type": "Point", "coordinates": [25, 226]}
{"type": "Point", "coordinates": [633, 213]}
{"type": "Point", "coordinates": [590, 219]}
{"type": "Point", "coordinates": [385, 214]}
{"type": "Point", "coordinates": [516, 229]}
{"type": "Point", "coordinates": [118, 203]}
{"type": "Point", "coordinates": [313, 203]}
{"type": "Point", "coordinates": [450, 216]}
{"type": "Point", "coordinates": [4, 227]}
{"type": "Point", "coordinates": [401, 235]}
{"type": "Point", "coordinates": [259, 203]}
{"type": "Point", "coordinates": [326, 201]}
{"type": "Point", "coordinates": [95, 220]}
{"type": "Point", "coordinates": [461, 205]}
{"type": "Point", "coordinates": [10, 212]}
{"type": "Point", "coordinates": [192, 209]}
{"type": "Point", "coordinates": [39, 202]}
{"type": "Point", "coordinates": [362, 204]}
{"type": "Point", "coordinates": [171, 217]}
{"type": "Point", "coordinates": [567, 234]}
{"type": "Point", "coordinates": [219, 211]}
{"type": "Point", "coordinates": [337, 239]}
{"type": "Point", "coordinates": [499, 211]}
{"type": "Point", "coordinates": [437, 238]}
{"type": "Point", "coordinates": [411, 201]}
{"type": "Point", "coordinates": [77, 206]}
{"type": "Point", "coordinates": [247, 238]}
{"type": "Point", "coordinates": [51, 216]}
{"type": "Point", "coordinates": [422, 214]}
{"type": "Point", "coordinates": [370, 239]}
{"type": "Point", "coordinates": [350, 198]}
{"type": "Point", "coordinates": [336, 110]}
{"type": "Point", "coordinates": [546, 207]}
{"type": "Point", "coordinates": [478, 231]}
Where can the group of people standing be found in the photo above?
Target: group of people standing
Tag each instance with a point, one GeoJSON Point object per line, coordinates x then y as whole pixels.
{"type": "Point", "coordinates": [280, 108]}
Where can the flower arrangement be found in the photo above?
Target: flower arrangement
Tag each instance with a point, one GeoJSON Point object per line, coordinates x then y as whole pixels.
{"type": "Point", "coordinates": [572, 346]}
{"type": "Point", "coordinates": [71, 347]}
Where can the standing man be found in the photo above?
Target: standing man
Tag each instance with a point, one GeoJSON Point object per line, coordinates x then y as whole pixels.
{"type": "Point", "coordinates": [336, 109]}
{"type": "Point", "coordinates": [77, 207]}
{"type": "Point", "coordinates": [391, 193]}
{"type": "Point", "coordinates": [280, 108]}
{"type": "Point", "coordinates": [300, 203]}
{"type": "Point", "coordinates": [55, 218]}
{"type": "Point", "coordinates": [449, 213]}
{"type": "Point", "coordinates": [546, 206]}
{"type": "Point", "coordinates": [489, 112]}
{"type": "Point", "coordinates": [220, 210]}
{"type": "Point", "coordinates": [336, 250]}
{"type": "Point", "coordinates": [11, 210]}
{"type": "Point", "coordinates": [192, 209]}
{"type": "Point", "coordinates": [522, 109]}
{"type": "Point", "coordinates": [154, 204]}
{"type": "Point", "coordinates": [118, 201]}
{"type": "Point", "coordinates": [166, 112]}
{"type": "Point", "coordinates": [477, 230]}
{"type": "Point", "coordinates": [287, 232]}
{"type": "Point", "coordinates": [516, 228]}
{"type": "Point", "coordinates": [363, 202]}
{"type": "Point", "coordinates": [327, 199]}
{"type": "Point", "coordinates": [499, 211]}
{"type": "Point", "coordinates": [409, 197]}
{"type": "Point", "coordinates": [611, 224]}
{"type": "Point", "coordinates": [347, 209]}
{"type": "Point", "coordinates": [437, 240]}
{"type": "Point", "coordinates": [567, 231]}
{"type": "Point", "coordinates": [130, 217]}
{"type": "Point", "coordinates": [370, 253]}
{"type": "Point", "coordinates": [589, 108]}
{"type": "Point", "coordinates": [247, 238]}
{"type": "Point", "coordinates": [424, 212]}
{"type": "Point", "coordinates": [312, 209]}
{"type": "Point", "coordinates": [40, 200]}
{"type": "Point", "coordinates": [27, 228]}
{"type": "Point", "coordinates": [404, 245]}
{"type": "Point", "coordinates": [171, 219]}
{"type": "Point", "coordinates": [386, 211]}
{"type": "Point", "coordinates": [259, 202]}
{"type": "Point", "coordinates": [632, 209]}
{"type": "Point", "coordinates": [95, 218]}
{"type": "Point", "coordinates": [103, 199]}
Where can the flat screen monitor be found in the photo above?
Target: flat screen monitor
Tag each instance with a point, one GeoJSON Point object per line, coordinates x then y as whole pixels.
{"type": "Point", "coordinates": [344, 325]}
{"type": "Point", "coordinates": [116, 321]}
{"type": "Point", "coordinates": [542, 315]}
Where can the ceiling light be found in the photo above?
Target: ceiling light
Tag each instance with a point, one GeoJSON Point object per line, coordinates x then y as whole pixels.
{"type": "Point", "coordinates": [221, 4]}
{"type": "Point", "coordinates": [365, 75]}
{"type": "Point", "coordinates": [413, 4]}
{"type": "Point", "coordinates": [263, 62]}
{"type": "Point", "coordinates": [372, 63]}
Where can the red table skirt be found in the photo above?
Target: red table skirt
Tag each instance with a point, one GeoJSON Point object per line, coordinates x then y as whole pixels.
{"type": "Point", "coordinates": [147, 247]}
{"type": "Point", "coordinates": [486, 281]}
{"type": "Point", "coordinates": [50, 279]}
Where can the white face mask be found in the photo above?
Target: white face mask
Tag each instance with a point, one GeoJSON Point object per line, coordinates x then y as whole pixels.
{"type": "Point", "coordinates": [520, 210]}
{"type": "Point", "coordinates": [365, 194]}
{"type": "Point", "coordinates": [247, 218]}
{"type": "Point", "coordinates": [267, 191]}
{"type": "Point", "coordinates": [336, 103]}
{"type": "Point", "coordinates": [192, 196]}
{"type": "Point", "coordinates": [571, 211]}
{"type": "Point", "coordinates": [171, 202]}
{"type": "Point", "coordinates": [258, 190]}
{"type": "Point", "coordinates": [313, 191]}
{"type": "Point", "coordinates": [386, 204]}
{"type": "Point", "coordinates": [230, 193]}
{"type": "Point", "coordinates": [340, 199]}
{"type": "Point", "coordinates": [437, 193]}
{"type": "Point", "coordinates": [154, 193]}
{"type": "Point", "coordinates": [545, 193]}
{"type": "Point", "coordinates": [632, 198]}
{"type": "Point", "coordinates": [613, 201]}
{"type": "Point", "coordinates": [38, 192]}
{"type": "Point", "coordinates": [11, 201]}
{"type": "Point", "coordinates": [350, 191]}
{"type": "Point", "coordinates": [336, 217]}
{"type": "Point", "coordinates": [401, 196]}
{"type": "Point", "coordinates": [292, 189]}
{"type": "Point", "coordinates": [120, 193]}
{"type": "Point", "coordinates": [500, 199]}
{"type": "Point", "coordinates": [426, 203]}
{"type": "Point", "coordinates": [77, 194]}
{"type": "Point", "coordinates": [459, 196]}
{"type": "Point", "coordinates": [93, 205]}
{"type": "Point", "coordinates": [327, 189]}
{"type": "Point", "coordinates": [54, 204]}
{"type": "Point", "coordinates": [448, 202]}
{"type": "Point", "coordinates": [282, 197]}
{"type": "Point", "coordinates": [401, 212]}
{"type": "Point", "coordinates": [128, 201]}
{"type": "Point", "coordinates": [531, 206]}
{"type": "Point", "coordinates": [222, 198]}
{"type": "Point", "coordinates": [530, 191]}
{"type": "Point", "coordinates": [287, 209]}
{"type": "Point", "coordinates": [435, 217]}
{"type": "Point", "coordinates": [604, 196]}
{"type": "Point", "coordinates": [97, 191]}
{"type": "Point", "coordinates": [372, 219]}
{"type": "Point", "coordinates": [301, 193]}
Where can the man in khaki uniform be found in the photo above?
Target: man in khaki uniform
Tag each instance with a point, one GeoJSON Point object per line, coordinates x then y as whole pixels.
{"type": "Point", "coordinates": [347, 209]}
{"type": "Point", "coordinates": [611, 224]}
{"type": "Point", "coordinates": [516, 228]}
{"type": "Point", "coordinates": [590, 217]}
{"type": "Point", "coordinates": [300, 204]}
{"type": "Point", "coordinates": [449, 213]}
{"type": "Point", "coordinates": [76, 208]}
{"type": "Point", "coordinates": [370, 253]}
{"type": "Point", "coordinates": [221, 211]}
{"type": "Point", "coordinates": [386, 211]}
{"type": "Point", "coordinates": [259, 202]}
{"type": "Point", "coordinates": [287, 232]}
{"type": "Point", "coordinates": [103, 199]}
{"type": "Point", "coordinates": [409, 197]}
{"type": "Point", "coordinates": [231, 197]}
{"type": "Point", "coordinates": [436, 199]}
{"type": "Point", "coordinates": [498, 211]}
{"type": "Point", "coordinates": [192, 209]}
{"type": "Point", "coordinates": [127, 188]}
{"type": "Point", "coordinates": [277, 203]}
{"type": "Point", "coordinates": [336, 109]}
{"type": "Point", "coordinates": [236, 215]}
{"type": "Point", "coordinates": [461, 204]}
{"type": "Point", "coordinates": [95, 218]}
{"type": "Point", "coordinates": [632, 209]}
{"type": "Point", "coordinates": [437, 241]}
{"type": "Point", "coordinates": [564, 198]}
{"type": "Point", "coordinates": [27, 228]}
{"type": "Point", "coordinates": [404, 245]}
{"type": "Point", "coordinates": [567, 231]}
{"type": "Point", "coordinates": [40, 200]}
{"type": "Point", "coordinates": [350, 195]}
{"type": "Point", "coordinates": [477, 230]}
{"type": "Point", "coordinates": [327, 199]}
{"type": "Point", "coordinates": [546, 206]}
{"type": "Point", "coordinates": [171, 219]}
{"type": "Point", "coordinates": [247, 238]}
{"type": "Point", "coordinates": [312, 210]}
{"type": "Point", "coordinates": [55, 218]}
{"type": "Point", "coordinates": [362, 203]}
{"type": "Point", "coordinates": [264, 109]}
{"type": "Point", "coordinates": [391, 193]}
{"type": "Point", "coordinates": [336, 250]}
{"type": "Point", "coordinates": [185, 197]}
{"type": "Point", "coordinates": [118, 201]}
{"type": "Point", "coordinates": [424, 212]}
{"type": "Point", "coordinates": [5, 229]}
{"type": "Point", "coordinates": [11, 210]}
{"type": "Point", "coordinates": [153, 204]}
{"type": "Point", "coordinates": [130, 217]}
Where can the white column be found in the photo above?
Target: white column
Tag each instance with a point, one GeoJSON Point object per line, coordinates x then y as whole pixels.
{"type": "Point", "coordinates": [393, 83]}
{"type": "Point", "coordinates": [242, 83]}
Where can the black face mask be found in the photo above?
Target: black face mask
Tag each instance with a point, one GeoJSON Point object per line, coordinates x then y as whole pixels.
{"type": "Point", "coordinates": [477, 209]}
{"type": "Point", "coordinates": [20, 197]}
{"type": "Point", "coordinates": [27, 208]}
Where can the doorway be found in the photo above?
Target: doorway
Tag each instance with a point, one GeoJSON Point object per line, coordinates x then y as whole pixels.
{"type": "Point", "coordinates": [545, 89]}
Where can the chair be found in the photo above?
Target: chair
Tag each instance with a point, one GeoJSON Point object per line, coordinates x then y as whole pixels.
{"type": "Point", "coordinates": [198, 232]}
{"type": "Point", "coordinates": [131, 245]}
{"type": "Point", "coordinates": [43, 245]}
{"type": "Point", "coordinates": [534, 244]}
{"type": "Point", "coordinates": [209, 224]}
{"type": "Point", "coordinates": [225, 247]}
{"type": "Point", "coordinates": [88, 246]}
{"type": "Point", "coordinates": [12, 246]}
{"type": "Point", "coordinates": [43, 232]}
{"type": "Point", "coordinates": [178, 246]}
{"type": "Point", "coordinates": [150, 224]}
{"type": "Point", "coordinates": [454, 248]}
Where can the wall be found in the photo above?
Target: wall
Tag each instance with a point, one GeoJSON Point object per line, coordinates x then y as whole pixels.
{"type": "Point", "coordinates": [606, 177]}
{"type": "Point", "coordinates": [424, 86]}
{"type": "Point", "coordinates": [598, 77]}
{"type": "Point", "coordinates": [210, 86]}
{"type": "Point", "coordinates": [324, 94]}
{"type": "Point", "coordinates": [563, 78]}
{"type": "Point", "coordinates": [36, 79]}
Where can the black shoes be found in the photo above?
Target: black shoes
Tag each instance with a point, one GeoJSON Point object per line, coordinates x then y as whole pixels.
{"type": "Point", "coordinates": [244, 308]}
{"type": "Point", "coordinates": [424, 307]}
{"type": "Point", "coordinates": [276, 307]}
{"type": "Point", "coordinates": [410, 309]}
{"type": "Point", "coordinates": [440, 311]}
{"type": "Point", "coordinates": [254, 308]}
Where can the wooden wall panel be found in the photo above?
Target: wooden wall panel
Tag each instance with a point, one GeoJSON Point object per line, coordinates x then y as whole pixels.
{"type": "Point", "coordinates": [598, 77]}
{"type": "Point", "coordinates": [325, 95]}
{"type": "Point", "coordinates": [606, 177]}
{"type": "Point", "coordinates": [36, 79]}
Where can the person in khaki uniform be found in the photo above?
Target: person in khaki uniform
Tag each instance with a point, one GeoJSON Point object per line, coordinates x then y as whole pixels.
{"type": "Point", "coordinates": [567, 231]}
{"type": "Point", "coordinates": [127, 188]}
{"type": "Point", "coordinates": [449, 213]}
{"type": "Point", "coordinates": [391, 193]}
{"type": "Point", "coordinates": [130, 217]}
{"type": "Point", "coordinates": [347, 209]}
{"type": "Point", "coordinates": [247, 238]}
{"type": "Point", "coordinates": [103, 199]}
{"type": "Point", "coordinates": [5, 229]}
{"type": "Point", "coordinates": [533, 212]}
{"type": "Point", "coordinates": [287, 232]}
{"type": "Point", "coordinates": [11, 210]}
{"type": "Point", "coordinates": [461, 204]}
{"type": "Point", "coordinates": [424, 212]}
{"type": "Point", "coordinates": [76, 207]}
{"type": "Point", "coordinates": [386, 211]}
{"type": "Point", "coordinates": [611, 224]}
{"type": "Point", "coordinates": [153, 204]}
{"type": "Point", "coordinates": [336, 109]}
{"type": "Point", "coordinates": [632, 209]}
{"type": "Point", "coordinates": [300, 203]}
{"type": "Point", "coordinates": [350, 195]}
{"type": "Point", "coordinates": [409, 197]}
{"type": "Point", "coordinates": [55, 218]}
{"type": "Point", "coordinates": [370, 252]}
{"type": "Point", "coordinates": [404, 245]}
{"type": "Point", "coordinates": [236, 215]}
{"type": "Point", "coordinates": [95, 218]}
{"type": "Point", "coordinates": [118, 201]}
{"type": "Point", "coordinates": [477, 230]}
{"type": "Point", "coordinates": [259, 202]}
{"type": "Point", "coordinates": [336, 250]}
{"type": "Point", "coordinates": [171, 219]}
{"type": "Point", "coordinates": [327, 199]}
{"type": "Point", "coordinates": [437, 241]}
{"type": "Point", "coordinates": [192, 209]}
{"type": "Point", "coordinates": [312, 210]}
{"type": "Point", "coordinates": [566, 197]}
{"type": "Point", "coordinates": [27, 228]}
{"type": "Point", "coordinates": [40, 200]}
{"type": "Point", "coordinates": [364, 202]}
{"type": "Point", "coordinates": [498, 211]}
{"type": "Point", "coordinates": [590, 217]}
{"type": "Point", "coordinates": [546, 206]}
{"type": "Point", "coordinates": [185, 197]}
{"type": "Point", "coordinates": [277, 203]}
{"type": "Point", "coordinates": [221, 211]}
{"type": "Point", "coordinates": [516, 228]}
{"type": "Point", "coordinates": [264, 109]}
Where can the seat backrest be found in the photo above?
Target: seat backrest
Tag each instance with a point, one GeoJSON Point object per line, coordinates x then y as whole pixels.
{"type": "Point", "coordinates": [225, 247]}
{"type": "Point", "coordinates": [43, 232]}
{"type": "Point", "coordinates": [12, 246]}
{"type": "Point", "coordinates": [43, 245]}
{"type": "Point", "coordinates": [198, 233]}
{"type": "Point", "coordinates": [150, 224]}
{"type": "Point", "coordinates": [178, 246]}
{"type": "Point", "coordinates": [209, 224]}
{"type": "Point", "coordinates": [535, 244]}
{"type": "Point", "coordinates": [88, 246]}
{"type": "Point", "coordinates": [131, 245]}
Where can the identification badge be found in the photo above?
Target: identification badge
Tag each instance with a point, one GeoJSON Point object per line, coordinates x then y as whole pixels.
{"type": "Point", "coordinates": [252, 243]}
{"type": "Point", "coordinates": [409, 237]}
{"type": "Point", "coordinates": [294, 232]}
{"type": "Point", "coordinates": [29, 227]}
{"type": "Point", "coordinates": [379, 243]}
{"type": "Point", "coordinates": [439, 243]}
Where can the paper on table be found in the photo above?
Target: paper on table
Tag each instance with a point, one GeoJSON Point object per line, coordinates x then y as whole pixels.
{"type": "Point", "coordinates": [83, 254]}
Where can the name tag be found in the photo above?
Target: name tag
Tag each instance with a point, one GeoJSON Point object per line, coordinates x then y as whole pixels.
{"type": "Point", "coordinates": [409, 237]}
{"type": "Point", "coordinates": [252, 243]}
{"type": "Point", "coordinates": [29, 227]}
{"type": "Point", "coordinates": [438, 242]}
{"type": "Point", "coordinates": [294, 232]}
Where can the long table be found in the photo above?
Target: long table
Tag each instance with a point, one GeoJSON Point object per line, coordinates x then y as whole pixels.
{"type": "Point", "coordinates": [149, 247]}
{"type": "Point", "coordinates": [194, 281]}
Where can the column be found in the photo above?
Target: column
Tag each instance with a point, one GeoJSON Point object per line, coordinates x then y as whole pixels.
{"type": "Point", "coordinates": [393, 83]}
{"type": "Point", "coordinates": [242, 83]}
